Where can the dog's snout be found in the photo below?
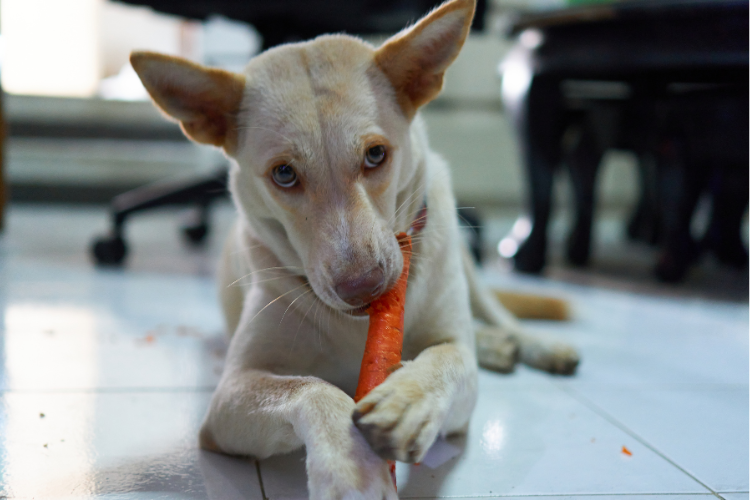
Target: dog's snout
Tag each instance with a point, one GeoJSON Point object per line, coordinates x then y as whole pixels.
{"type": "Point", "coordinates": [362, 289]}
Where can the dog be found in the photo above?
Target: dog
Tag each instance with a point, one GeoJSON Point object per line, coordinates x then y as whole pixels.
{"type": "Point", "coordinates": [329, 160]}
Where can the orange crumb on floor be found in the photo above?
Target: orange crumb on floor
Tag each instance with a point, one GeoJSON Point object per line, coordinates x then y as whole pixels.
{"type": "Point", "coordinates": [626, 451]}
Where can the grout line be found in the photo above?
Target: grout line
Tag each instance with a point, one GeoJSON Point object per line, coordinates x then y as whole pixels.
{"type": "Point", "coordinates": [659, 386]}
{"type": "Point", "coordinates": [566, 495]}
{"type": "Point", "coordinates": [611, 419]}
{"type": "Point", "coordinates": [260, 480]}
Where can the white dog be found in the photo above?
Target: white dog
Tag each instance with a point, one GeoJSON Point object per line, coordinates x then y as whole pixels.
{"type": "Point", "coordinates": [329, 160]}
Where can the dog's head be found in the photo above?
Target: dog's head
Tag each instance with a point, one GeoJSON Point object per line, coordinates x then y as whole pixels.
{"type": "Point", "coordinates": [321, 135]}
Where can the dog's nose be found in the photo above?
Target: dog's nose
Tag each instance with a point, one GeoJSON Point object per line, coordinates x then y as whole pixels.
{"type": "Point", "coordinates": [362, 289]}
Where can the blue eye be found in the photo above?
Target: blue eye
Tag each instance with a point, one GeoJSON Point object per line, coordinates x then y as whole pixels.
{"type": "Point", "coordinates": [284, 176]}
{"type": "Point", "coordinates": [374, 156]}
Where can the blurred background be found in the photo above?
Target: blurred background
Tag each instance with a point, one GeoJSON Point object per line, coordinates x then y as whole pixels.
{"type": "Point", "coordinates": [81, 130]}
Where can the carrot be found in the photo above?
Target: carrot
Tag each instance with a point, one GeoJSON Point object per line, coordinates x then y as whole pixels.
{"type": "Point", "coordinates": [385, 335]}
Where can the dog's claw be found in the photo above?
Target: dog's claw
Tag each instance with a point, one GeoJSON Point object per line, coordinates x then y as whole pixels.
{"type": "Point", "coordinates": [398, 420]}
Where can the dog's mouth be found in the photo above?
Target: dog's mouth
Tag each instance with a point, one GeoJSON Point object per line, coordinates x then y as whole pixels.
{"type": "Point", "coordinates": [358, 311]}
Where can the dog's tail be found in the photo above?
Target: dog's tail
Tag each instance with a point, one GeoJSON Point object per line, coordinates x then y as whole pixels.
{"type": "Point", "coordinates": [527, 306]}
{"type": "Point", "coordinates": [502, 341]}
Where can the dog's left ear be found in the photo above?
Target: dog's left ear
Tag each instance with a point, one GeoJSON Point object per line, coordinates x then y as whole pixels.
{"type": "Point", "coordinates": [204, 100]}
{"type": "Point", "coordinates": [415, 60]}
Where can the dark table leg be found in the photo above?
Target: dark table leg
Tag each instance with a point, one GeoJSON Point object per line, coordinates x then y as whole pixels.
{"type": "Point", "coordinates": [729, 198]}
{"type": "Point", "coordinates": [539, 119]}
{"type": "Point", "coordinates": [583, 160]}
{"type": "Point", "coordinates": [680, 184]}
{"type": "Point", "coordinates": [644, 223]}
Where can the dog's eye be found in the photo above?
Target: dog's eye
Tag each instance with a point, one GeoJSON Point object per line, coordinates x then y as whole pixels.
{"type": "Point", "coordinates": [284, 176]}
{"type": "Point", "coordinates": [374, 156]}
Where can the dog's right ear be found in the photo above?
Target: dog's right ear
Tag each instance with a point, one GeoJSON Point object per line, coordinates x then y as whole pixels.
{"type": "Point", "coordinates": [415, 60]}
{"type": "Point", "coordinates": [204, 100]}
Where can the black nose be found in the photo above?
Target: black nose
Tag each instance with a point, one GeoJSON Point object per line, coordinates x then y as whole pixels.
{"type": "Point", "coordinates": [361, 289]}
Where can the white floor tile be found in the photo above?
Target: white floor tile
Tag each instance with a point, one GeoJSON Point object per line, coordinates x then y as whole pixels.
{"type": "Point", "coordinates": [694, 496]}
{"type": "Point", "coordinates": [81, 329]}
{"type": "Point", "coordinates": [284, 476]}
{"type": "Point", "coordinates": [122, 364]}
{"type": "Point", "coordinates": [627, 339]}
{"type": "Point", "coordinates": [522, 441]}
{"type": "Point", "coordinates": [121, 445]}
{"type": "Point", "coordinates": [703, 431]}
{"type": "Point", "coordinates": [735, 496]}
{"type": "Point", "coordinates": [541, 442]}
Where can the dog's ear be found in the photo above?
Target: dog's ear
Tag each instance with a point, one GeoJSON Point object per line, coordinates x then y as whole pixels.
{"type": "Point", "coordinates": [204, 100]}
{"type": "Point", "coordinates": [415, 60]}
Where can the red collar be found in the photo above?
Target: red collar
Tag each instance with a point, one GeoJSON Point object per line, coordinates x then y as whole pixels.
{"type": "Point", "coordinates": [420, 221]}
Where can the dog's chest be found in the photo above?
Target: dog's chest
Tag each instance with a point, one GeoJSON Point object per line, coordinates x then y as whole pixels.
{"type": "Point", "coordinates": [327, 348]}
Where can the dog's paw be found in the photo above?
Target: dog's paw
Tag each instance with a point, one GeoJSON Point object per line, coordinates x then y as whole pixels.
{"type": "Point", "coordinates": [562, 360]}
{"type": "Point", "coordinates": [356, 474]}
{"type": "Point", "coordinates": [401, 418]}
{"type": "Point", "coordinates": [550, 356]}
{"type": "Point", "coordinates": [496, 350]}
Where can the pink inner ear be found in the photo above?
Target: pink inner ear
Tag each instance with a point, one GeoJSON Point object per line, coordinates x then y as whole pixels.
{"type": "Point", "coordinates": [178, 104]}
{"type": "Point", "coordinates": [415, 61]}
{"type": "Point", "coordinates": [439, 53]}
{"type": "Point", "coordinates": [203, 99]}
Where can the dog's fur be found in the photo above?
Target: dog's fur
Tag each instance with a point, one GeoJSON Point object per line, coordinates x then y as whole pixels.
{"type": "Point", "coordinates": [294, 356]}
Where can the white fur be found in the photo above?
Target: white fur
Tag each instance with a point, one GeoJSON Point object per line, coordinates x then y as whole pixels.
{"type": "Point", "coordinates": [294, 357]}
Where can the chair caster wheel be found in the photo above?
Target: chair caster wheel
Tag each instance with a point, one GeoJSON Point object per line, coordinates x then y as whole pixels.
{"type": "Point", "coordinates": [195, 234]}
{"type": "Point", "coordinates": [109, 251]}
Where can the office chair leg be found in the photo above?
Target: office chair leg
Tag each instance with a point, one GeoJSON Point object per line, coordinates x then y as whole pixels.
{"type": "Point", "coordinates": [196, 229]}
{"type": "Point", "coordinates": [111, 250]}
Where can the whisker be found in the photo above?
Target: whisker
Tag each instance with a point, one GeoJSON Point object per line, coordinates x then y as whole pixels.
{"type": "Point", "coordinates": [468, 224]}
{"type": "Point", "coordinates": [419, 188]}
{"type": "Point", "coordinates": [267, 281]}
{"type": "Point", "coordinates": [313, 302]}
{"type": "Point", "coordinates": [292, 303]}
{"type": "Point", "coordinates": [274, 300]}
{"type": "Point", "coordinates": [262, 270]}
{"type": "Point", "coordinates": [247, 249]}
{"type": "Point", "coordinates": [318, 326]}
{"type": "Point", "coordinates": [405, 203]}
{"type": "Point", "coordinates": [328, 327]}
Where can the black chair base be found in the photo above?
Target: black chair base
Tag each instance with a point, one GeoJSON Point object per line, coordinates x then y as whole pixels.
{"type": "Point", "coordinates": [111, 250]}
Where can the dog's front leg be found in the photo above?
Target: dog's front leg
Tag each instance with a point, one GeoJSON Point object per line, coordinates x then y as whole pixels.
{"type": "Point", "coordinates": [259, 414]}
{"type": "Point", "coordinates": [434, 394]}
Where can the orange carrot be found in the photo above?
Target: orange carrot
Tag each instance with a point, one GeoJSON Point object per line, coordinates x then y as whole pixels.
{"type": "Point", "coordinates": [385, 335]}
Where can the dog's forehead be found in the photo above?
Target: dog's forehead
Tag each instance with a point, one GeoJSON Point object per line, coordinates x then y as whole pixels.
{"type": "Point", "coordinates": [315, 94]}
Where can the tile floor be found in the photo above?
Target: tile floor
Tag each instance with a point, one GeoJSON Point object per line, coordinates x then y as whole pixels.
{"type": "Point", "coordinates": [105, 376]}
